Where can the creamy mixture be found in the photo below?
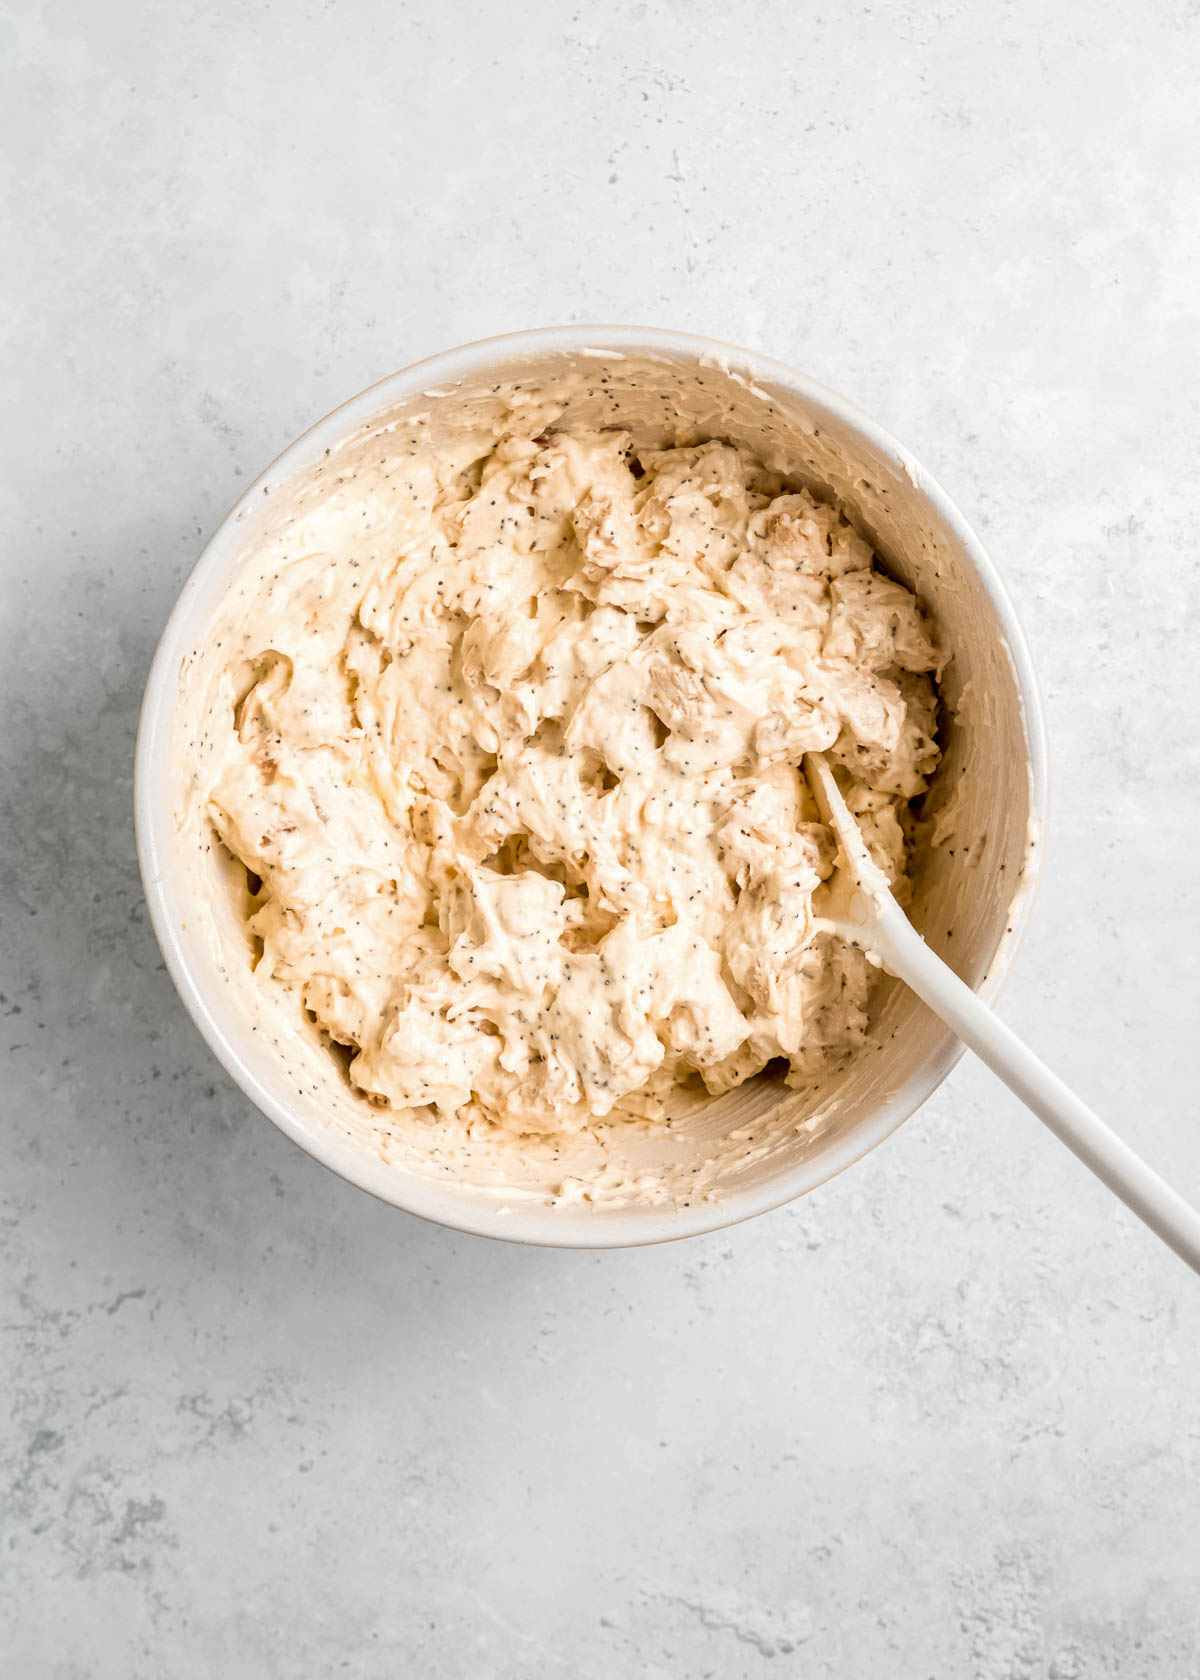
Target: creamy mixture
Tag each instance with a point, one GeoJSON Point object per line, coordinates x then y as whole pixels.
{"type": "Point", "coordinates": [520, 804]}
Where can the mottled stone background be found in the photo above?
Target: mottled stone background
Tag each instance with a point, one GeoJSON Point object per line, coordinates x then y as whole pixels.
{"type": "Point", "coordinates": [942, 1418]}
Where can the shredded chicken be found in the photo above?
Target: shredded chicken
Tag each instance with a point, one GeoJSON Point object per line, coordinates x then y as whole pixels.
{"type": "Point", "coordinates": [521, 806]}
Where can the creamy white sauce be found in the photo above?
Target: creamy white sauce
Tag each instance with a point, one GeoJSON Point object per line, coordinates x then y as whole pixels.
{"type": "Point", "coordinates": [521, 789]}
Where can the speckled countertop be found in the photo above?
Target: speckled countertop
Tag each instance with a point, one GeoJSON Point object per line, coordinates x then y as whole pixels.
{"type": "Point", "coordinates": [943, 1417]}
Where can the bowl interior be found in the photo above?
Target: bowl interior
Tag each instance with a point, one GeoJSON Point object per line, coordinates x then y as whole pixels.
{"type": "Point", "coordinates": [721, 1158]}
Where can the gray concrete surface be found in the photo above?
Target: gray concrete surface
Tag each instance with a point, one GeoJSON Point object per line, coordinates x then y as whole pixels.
{"type": "Point", "coordinates": [940, 1419]}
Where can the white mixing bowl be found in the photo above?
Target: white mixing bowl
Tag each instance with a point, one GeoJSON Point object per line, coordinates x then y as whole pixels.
{"type": "Point", "coordinates": [758, 1146]}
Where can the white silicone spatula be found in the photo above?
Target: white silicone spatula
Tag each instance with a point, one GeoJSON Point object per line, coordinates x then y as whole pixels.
{"type": "Point", "coordinates": [863, 911]}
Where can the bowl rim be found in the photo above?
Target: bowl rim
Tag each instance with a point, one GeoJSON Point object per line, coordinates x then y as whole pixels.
{"type": "Point", "coordinates": [569, 1227]}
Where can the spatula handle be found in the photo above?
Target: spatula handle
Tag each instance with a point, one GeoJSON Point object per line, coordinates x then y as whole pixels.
{"type": "Point", "coordinates": [1163, 1209]}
